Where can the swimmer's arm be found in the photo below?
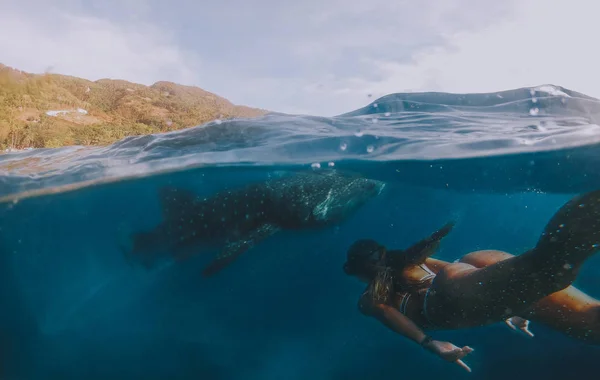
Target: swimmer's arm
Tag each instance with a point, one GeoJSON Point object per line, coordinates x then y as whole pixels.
{"type": "Point", "coordinates": [399, 323]}
{"type": "Point", "coordinates": [393, 319]}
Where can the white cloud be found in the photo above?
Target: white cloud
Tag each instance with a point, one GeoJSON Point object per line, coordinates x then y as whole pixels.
{"type": "Point", "coordinates": [93, 48]}
{"type": "Point", "coordinates": [320, 57]}
{"type": "Point", "coordinates": [324, 56]}
{"type": "Point", "coordinates": [545, 42]}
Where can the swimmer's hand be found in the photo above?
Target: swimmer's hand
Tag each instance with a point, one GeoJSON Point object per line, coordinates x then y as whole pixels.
{"type": "Point", "coordinates": [450, 352]}
{"type": "Point", "coordinates": [519, 324]}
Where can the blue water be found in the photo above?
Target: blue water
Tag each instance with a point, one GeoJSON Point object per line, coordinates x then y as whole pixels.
{"type": "Point", "coordinates": [72, 307]}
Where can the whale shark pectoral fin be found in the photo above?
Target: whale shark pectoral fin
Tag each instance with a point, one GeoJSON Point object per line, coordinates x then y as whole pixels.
{"type": "Point", "coordinates": [235, 248]}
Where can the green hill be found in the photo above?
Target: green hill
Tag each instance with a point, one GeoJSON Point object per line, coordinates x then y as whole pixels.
{"type": "Point", "coordinates": [51, 110]}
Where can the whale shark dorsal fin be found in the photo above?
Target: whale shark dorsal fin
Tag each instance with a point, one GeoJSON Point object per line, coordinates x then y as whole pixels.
{"type": "Point", "coordinates": [174, 200]}
{"type": "Point", "coordinates": [235, 248]}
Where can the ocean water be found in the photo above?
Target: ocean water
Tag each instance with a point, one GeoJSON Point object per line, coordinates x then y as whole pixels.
{"type": "Point", "coordinates": [73, 307]}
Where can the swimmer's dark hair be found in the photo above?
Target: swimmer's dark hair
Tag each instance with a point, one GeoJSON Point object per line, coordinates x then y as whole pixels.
{"type": "Point", "coordinates": [368, 258]}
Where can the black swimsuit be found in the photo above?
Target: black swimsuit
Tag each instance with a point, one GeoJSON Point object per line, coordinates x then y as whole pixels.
{"type": "Point", "coordinates": [420, 286]}
{"type": "Point", "coordinates": [406, 290]}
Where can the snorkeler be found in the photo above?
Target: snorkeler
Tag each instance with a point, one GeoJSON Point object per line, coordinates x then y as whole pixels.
{"type": "Point", "coordinates": [410, 292]}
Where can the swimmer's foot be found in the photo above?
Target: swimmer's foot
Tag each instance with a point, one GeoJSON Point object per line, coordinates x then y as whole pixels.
{"type": "Point", "coordinates": [519, 324]}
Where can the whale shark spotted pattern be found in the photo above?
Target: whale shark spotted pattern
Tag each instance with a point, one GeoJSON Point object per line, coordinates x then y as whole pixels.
{"type": "Point", "coordinates": [236, 220]}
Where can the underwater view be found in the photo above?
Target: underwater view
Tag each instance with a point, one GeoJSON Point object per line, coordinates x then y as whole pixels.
{"type": "Point", "coordinates": [271, 247]}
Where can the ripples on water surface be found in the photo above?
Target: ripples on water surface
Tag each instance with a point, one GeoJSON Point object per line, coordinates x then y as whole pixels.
{"type": "Point", "coordinates": [500, 164]}
{"type": "Point", "coordinates": [400, 131]}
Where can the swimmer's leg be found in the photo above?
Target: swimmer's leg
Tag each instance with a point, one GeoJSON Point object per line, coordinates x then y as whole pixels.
{"type": "Point", "coordinates": [465, 296]}
{"type": "Point", "coordinates": [570, 311]}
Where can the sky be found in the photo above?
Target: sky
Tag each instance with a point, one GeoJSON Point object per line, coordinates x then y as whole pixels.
{"type": "Point", "coordinates": [318, 57]}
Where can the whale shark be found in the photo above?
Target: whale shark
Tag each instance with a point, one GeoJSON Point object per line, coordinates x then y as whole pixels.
{"type": "Point", "coordinates": [236, 220]}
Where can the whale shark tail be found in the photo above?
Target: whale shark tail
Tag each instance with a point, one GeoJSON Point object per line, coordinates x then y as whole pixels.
{"type": "Point", "coordinates": [125, 243]}
{"type": "Point", "coordinates": [137, 248]}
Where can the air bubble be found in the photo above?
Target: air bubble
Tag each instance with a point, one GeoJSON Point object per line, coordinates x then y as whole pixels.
{"type": "Point", "coordinates": [343, 146]}
{"type": "Point", "coordinates": [218, 121]}
{"type": "Point", "coordinates": [387, 114]}
{"type": "Point", "coordinates": [359, 134]}
{"type": "Point", "coordinates": [375, 105]}
{"type": "Point", "coordinates": [534, 100]}
{"type": "Point", "coordinates": [525, 141]}
{"type": "Point", "coordinates": [331, 164]}
{"type": "Point", "coordinates": [534, 111]}
{"type": "Point", "coordinates": [374, 120]}
{"type": "Point", "coordinates": [315, 165]}
{"type": "Point", "coordinates": [370, 149]}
